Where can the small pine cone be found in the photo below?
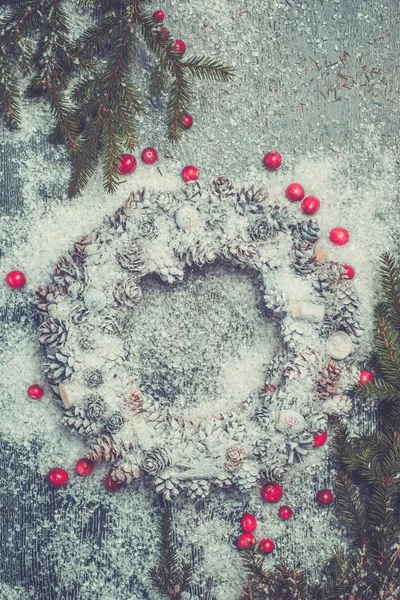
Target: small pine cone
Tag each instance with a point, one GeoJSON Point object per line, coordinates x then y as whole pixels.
{"type": "Point", "coordinates": [53, 332]}
{"type": "Point", "coordinates": [251, 200]}
{"type": "Point", "coordinates": [239, 251]}
{"type": "Point", "coordinates": [337, 405]}
{"type": "Point", "coordinates": [131, 259]}
{"type": "Point", "coordinates": [328, 275]}
{"type": "Point", "coordinates": [198, 488]}
{"type": "Point", "coordinates": [128, 293]}
{"type": "Point", "coordinates": [275, 300]}
{"type": "Point", "coordinates": [155, 461]}
{"type": "Point", "coordinates": [95, 407]}
{"type": "Point", "coordinates": [328, 380]}
{"type": "Point", "coordinates": [126, 472]}
{"type": "Point", "coordinates": [328, 327]}
{"type": "Point", "coordinates": [223, 187]}
{"type": "Point", "coordinates": [192, 190]}
{"type": "Point", "coordinates": [117, 222]}
{"type": "Point", "coordinates": [147, 228]}
{"type": "Point", "coordinates": [93, 377]}
{"type": "Point", "coordinates": [167, 484]}
{"type": "Point", "coordinates": [247, 476]}
{"type": "Point", "coordinates": [111, 324]}
{"type": "Point", "coordinates": [134, 403]}
{"type": "Point", "coordinates": [59, 366]}
{"type": "Point", "coordinates": [234, 459]}
{"type": "Point", "coordinates": [274, 471]}
{"type": "Point", "coordinates": [46, 299]}
{"type": "Point", "coordinates": [196, 252]}
{"type": "Point", "coordinates": [291, 332]}
{"type": "Point", "coordinates": [306, 231]}
{"type": "Point", "coordinates": [114, 422]}
{"type": "Point", "coordinates": [106, 449]}
{"type": "Point", "coordinates": [85, 341]}
{"type": "Point", "coordinates": [261, 449]}
{"type": "Point", "coordinates": [304, 258]}
{"type": "Point", "coordinates": [75, 418]}
{"type": "Point", "coordinates": [167, 201]}
{"type": "Point", "coordinates": [217, 218]}
{"type": "Point", "coordinates": [70, 274]}
{"type": "Point", "coordinates": [273, 221]}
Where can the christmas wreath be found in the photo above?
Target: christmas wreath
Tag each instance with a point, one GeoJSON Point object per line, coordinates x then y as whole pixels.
{"type": "Point", "coordinates": [86, 310]}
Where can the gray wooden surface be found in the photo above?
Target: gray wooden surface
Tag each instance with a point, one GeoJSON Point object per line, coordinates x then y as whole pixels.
{"type": "Point", "coordinates": [312, 76]}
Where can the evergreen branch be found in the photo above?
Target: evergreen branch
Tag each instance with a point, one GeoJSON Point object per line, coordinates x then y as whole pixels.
{"type": "Point", "coordinates": [351, 508]}
{"type": "Point", "coordinates": [207, 68]}
{"type": "Point", "coordinates": [67, 127]}
{"type": "Point", "coordinates": [387, 344]}
{"type": "Point", "coordinates": [9, 103]}
{"type": "Point", "coordinates": [390, 282]}
{"type": "Point", "coordinates": [23, 20]}
{"type": "Point", "coordinates": [96, 39]}
{"type": "Point", "coordinates": [158, 79]}
{"type": "Point", "coordinates": [86, 157]}
{"type": "Point", "coordinates": [180, 98]}
{"type": "Point", "coordinates": [111, 149]}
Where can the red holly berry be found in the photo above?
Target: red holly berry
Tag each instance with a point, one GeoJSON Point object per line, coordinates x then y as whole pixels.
{"type": "Point", "coordinates": [245, 540]}
{"type": "Point", "coordinates": [267, 546]}
{"type": "Point", "coordinates": [271, 492]}
{"type": "Point", "coordinates": [324, 497]}
{"type": "Point", "coordinates": [366, 377]}
{"type": "Point", "coordinates": [111, 484]}
{"type": "Point", "coordinates": [285, 513]}
{"type": "Point", "coordinates": [149, 156]}
{"type": "Point", "coordinates": [186, 120]}
{"type": "Point", "coordinates": [339, 236]}
{"type": "Point", "coordinates": [295, 192]}
{"type": "Point", "coordinates": [190, 173]}
{"type": "Point", "coordinates": [57, 477]}
{"type": "Point", "coordinates": [249, 523]}
{"type": "Point", "coordinates": [15, 279]}
{"type": "Point", "coordinates": [180, 47]}
{"type": "Point", "coordinates": [310, 205]}
{"type": "Point", "coordinates": [159, 15]}
{"type": "Point", "coordinates": [272, 160]}
{"type": "Point", "coordinates": [35, 391]}
{"type": "Point", "coordinates": [127, 164]}
{"type": "Point", "coordinates": [320, 439]}
{"type": "Point", "coordinates": [350, 272]}
{"type": "Point", "coordinates": [163, 34]}
{"type": "Point", "coordinates": [84, 467]}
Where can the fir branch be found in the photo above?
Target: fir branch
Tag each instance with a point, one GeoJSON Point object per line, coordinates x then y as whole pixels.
{"type": "Point", "coordinates": [207, 68]}
{"type": "Point", "coordinates": [9, 104]}
{"type": "Point", "coordinates": [390, 283]}
{"type": "Point", "coordinates": [180, 98]}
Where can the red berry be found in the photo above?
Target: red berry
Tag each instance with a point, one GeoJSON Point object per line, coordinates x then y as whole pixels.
{"type": "Point", "coordinates": [111, 484]}
{"type": "Point", "coordinates": [245, 540]}
{"type": "Point", "coordinates": [339, 236]}
{"type": "Point", "coordinates": [272, 160]}
{"type": "Point", "coordinates": [324, 497]}
{"type": "Point", "coordinates": [350, 272]}
{"type": "Point", "coordinates": [320, 439]}
{"type": "Point", "coordinates": [271, 492]}
{"type": "Point", "coordinates": [295, 192]}
{"type": "Point", "coordinates": [190, 173]}
{"type": "Point", "coordinates": [163, 34]}
{"type": "Point", "coordinates": [35, 391]}
{"type": "Point", "coordinates": [310, 205]}
{"type": "Point", "coordinates": [57, 477]}
{"type": "Point", "coordinates": [186, 120]}
{"type": "Point", "coordinates": [15, 279]}
{"type": "Point", "coordinates": [285, 512]}
{"type": "Point", "coordinates": [180, 47]}
{"type": "Point", "coordinates": [84, 466]}
{"type": "Point", "coordinates": [249, 523]}
{"type": "Point", "coordinates": [149, 155]}
{"type": "Point", "coordinates": [365, 377]}
{"type": "Point", "coordinates": [267, 546]}
{"type": "Point", "coordinates": [127, 164]}
{"type": "Point", "coordinates": [159, 15]}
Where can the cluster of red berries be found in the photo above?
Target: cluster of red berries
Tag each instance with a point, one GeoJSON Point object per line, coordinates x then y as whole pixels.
{"type": "Point", "coordinates": [247, 539]}
{"type": "Point", "coordinates": [58, 477]}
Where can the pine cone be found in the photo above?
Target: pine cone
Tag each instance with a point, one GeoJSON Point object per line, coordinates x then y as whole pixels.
{"type": "Point", "coordinates": [107, 449]}
{"type": "Point", "coordinates": [234, 459]}
{"type": "Point", "coordinates": [167, 201]}
{"type": "Point", "coordinates": [262, 448]}
{"type": "Point", "coordinates": [251, 200]}
{"type": "Point", "coordinates": [337, 405]}
{"type": "Point", "coordinates": [198, 488]}
{"type": "Point", "coordinates": [155, 461]}
{"type": "Point", "coordinates": [167, 484]}
{"type": "Point", "coordinates": [134, 403]}
{"type": "Point", "coordinates": [128, 293]}
{"type": "Point", "coordinates": [192, 190]}
{"type": "Point", "coordinates": [46, 299]}
{"type": "Point", "coordinates": [126, 472]}
{"type": "Point", "coordinates": [328, 275]}
{"type": "Point", "coordinates": [346, 307]}
{"type": "Point", "coordinates": [223, 187]}
{"type": "Point", "coordinates": [95, 407]}
{"type": "Point", "coordinates": [85, 340]}
{"type": "Point", "coordinates": [117, 222]}
{"type": "Point", "coordinates": [328, 380]}
{"type": "Point", "coordinates": [195, 251]}
{"type": "Point", "coordinates": [299, 446]}
{"type": "Point", "coordinates": [53, 332]}
{"type": "Point", "coordinates": [306, 231]}
{"type": "Point", "coordinates": [239, 251]}
{"type": "Point", "coordinates": [76, 419]}
{"type": "Point", "coordinates": [70, 274]}
{"type": "Point", "coordinates": [114, 422]}
{"type": "Point", "coordinates": [147, 228]}
{"type": "Point", "coordinates": [290, 422]}
{"type": "Point", "coordinates": [274, 471]}
{"type": "Point", "coordinates": [291, 332]}
{"type": "Point", "coordinates": [111, 324]}
{"type": "Point", "coordinates": [275, 300]}
{"type": "Point", "coordinates": [273, 221]}
{"type": "Point", "coordinates": [131, 259]}
{"type": "Point", "coordinates": [247, 476]}
{"type": "Point", "coordinates": [59, 366]}
{"type": "Point", "coordinates": [304, 258]}
{"type": "Point", "coordinates": [93, 377]}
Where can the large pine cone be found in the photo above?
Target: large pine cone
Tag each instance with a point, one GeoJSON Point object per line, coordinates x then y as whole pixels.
{"type": "Point", "coordinates": [53, 332]}
{"type": "Point", "coordinates": [131, 259]}
{"type": "Point", "coordinates": [306, 231]}
{"type": "Point", "coordinates": [223, 187]}
{"type": "Point", "coordinates": [155, 461]}
{"type": "Point", "coordinates": [251, 200]}
{"type": "Point", "coordinates": [107, 449]}
{"type": "Point", "coordinates": [76, 419]}
{"type": "Point", "coordinates": [46, 299]}
{"type": "Point", "coordinates": [59, 366]}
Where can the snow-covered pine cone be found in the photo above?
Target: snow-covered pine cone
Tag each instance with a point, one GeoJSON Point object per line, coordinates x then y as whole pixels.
{"type": "Point", "coordinates": [198, 489]}
{"type": "Point", "coordinates": [274, 220]}
{"type": "Point", "coordinates": [328, 327]}
{"type": "Point", "coordinates": [299, 446]}
{"type": "Point", "coordinates": [304, 258]}
{"type": "Point", "coordinates": [126, 472]}
{"type": "Point", "coordinates": [46, 299]}
{"type": "Point", "coordinates": [111, 324]}
{"type": "Point", "coordinates": [328, 275]}
{"type": "Point", "coordinates": [337, 405]}
{"type": "Point", "coordinates": [306, 231]}
{"type": "Point", "coordinates": [195, 251]}
{"type": "Point", "coordinates": [328, 380]}
{"type": "Point", "coordinates": [167, 201]}
{"type": "Point", "coordinates": [291, 332]}
{"type": "Point", "coordinates": [167, 484]}
{"type": "Point", "coordinates": [116, 223]}
{"type": "Point", "coordinates": [75, 418]}
{"type": "Point", "coordinates": [247, 476]}
{"type": "Point", "coordinates": [223, 187]}
{"type": "Point", "coordinates": [192, 190]}
{"type": "Point", "coordinates": [59, 366]}
{"type": "Point", "coordinates": [239, 251]}
{"type": "Point", "coordinates": [290, 422]}
{"type": "Point", "coordinates": [275, 300]}
{"type": "Point", "coordinates": [155, 461]}
{"type": "Point", "coordinates": [274, 470]}
{"type": "Point", "coordinates": [93, 377]}
{"type": "Point", "coordinates": [53, 332]}
{"type": "Point", "coordinates": [347, 305]}
{"type": "Point", "coordinates": [234, 459]}
{"type": "Point", "coordinates": [131, 259]}
{"type": "Point", "coordinates": [147, 227]}
{"type": "Point", "coordinates": [134, 403]}
{"type": "Point", "coordinates": [95, 407]}
{"type": "Point", "coordinates": [127, 293]}
{"type": "Point", "coordinates": [251, 200]}
{"type": "Point", "coordinates": [71, 276]}
{"type": "Point", "coordinates": [299, 366]}
{"type": "Point", "coordinates": [106, 449]}
{"type": "Point", "coordinates": [114, 422]}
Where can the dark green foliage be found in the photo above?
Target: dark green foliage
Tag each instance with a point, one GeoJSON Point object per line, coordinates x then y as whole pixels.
{"type": "Point", "coordinates": [367, 486]}
{"type": "Point", "coordinates": [96, 116]}
{"type": "Point", "coordinates": [172, 576]}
